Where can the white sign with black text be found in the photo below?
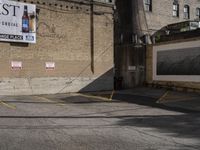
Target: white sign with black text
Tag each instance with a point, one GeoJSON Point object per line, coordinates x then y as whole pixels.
{"type": "Point", "coordinates": [17, 22]}
{"type": "Point", "coordinates": [50, 65]}
{"type": "Point", "coordinates": [16, 64]}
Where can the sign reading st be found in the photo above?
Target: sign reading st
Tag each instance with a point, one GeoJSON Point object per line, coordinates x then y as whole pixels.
{"type": "Point", "coordinates": [17, 22]}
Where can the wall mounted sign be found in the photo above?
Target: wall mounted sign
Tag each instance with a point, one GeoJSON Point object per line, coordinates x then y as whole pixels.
{"type": "Point", "coordinates": [177, 61]}
{"type": "Point", "coordinates": [17, 22]}
{"type": "Point", "coordinates": [50, 65]}
{"type": "Point", "coordinates": [132, 68]}
{"type": "Point", "coordinates": [16, 64]}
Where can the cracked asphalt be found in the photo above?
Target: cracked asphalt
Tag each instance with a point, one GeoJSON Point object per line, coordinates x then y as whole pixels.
{"type": "Point", "coordinates": [78, 122]}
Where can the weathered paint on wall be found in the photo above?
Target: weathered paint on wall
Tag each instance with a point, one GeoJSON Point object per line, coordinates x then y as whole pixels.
{"type": "Point", "coordinates": [63, 37]}
{"type": "Point", "coordinates": [130, 65]}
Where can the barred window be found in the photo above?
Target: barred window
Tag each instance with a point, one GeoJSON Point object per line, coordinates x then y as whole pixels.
{"type": "Point", "coordinates": [105, 1]}
{"type": "Point", "coordinates": [198, 13]}
{"type": "Point", "coordinates": [186, 12]}
{"type": "Point", "coordinates": [175, 9]}
{"type": "Point", "coordinates": [148, 5]}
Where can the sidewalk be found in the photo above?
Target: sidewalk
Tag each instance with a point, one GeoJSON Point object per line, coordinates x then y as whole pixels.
{"type": "Point", "coordinates": [173, 99]}
{"type": "Point", "coordinates": [162, 98]}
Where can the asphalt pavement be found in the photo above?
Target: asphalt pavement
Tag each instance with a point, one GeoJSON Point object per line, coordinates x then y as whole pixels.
{"type": "Point", "coordinates": [166, 99]}
{"type": "Point", "coordinates": [137, 119]}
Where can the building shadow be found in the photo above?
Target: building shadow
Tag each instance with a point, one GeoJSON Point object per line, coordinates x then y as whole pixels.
{"type": "Point", "coordinates": [105, 82]}
{"type": "Point", "coordinates": [176, 126]}
{"type": "Point", "coordinates": [80, 100]}
{"type": "Point", "coordinates": [180, 126]}
{"type": "Point", "coordinates": [150, 102]}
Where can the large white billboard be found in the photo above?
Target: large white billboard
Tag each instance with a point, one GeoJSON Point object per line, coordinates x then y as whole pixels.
{"type": "Point", "coordinates": [17, 22]}
{"type": "Point", "coordinates": [177, 61]}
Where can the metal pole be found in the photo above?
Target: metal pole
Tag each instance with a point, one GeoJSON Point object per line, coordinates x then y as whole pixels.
{"type": "Point", "coordinates": [92, 34]}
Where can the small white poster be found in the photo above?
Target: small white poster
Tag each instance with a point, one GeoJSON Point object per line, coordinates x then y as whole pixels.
{"type": "Point", "coordinates": [131, 68]}
{"type": "Point", "coordinates": [50, 65]}
{"type": "Point", "coordinates": [16, 65]}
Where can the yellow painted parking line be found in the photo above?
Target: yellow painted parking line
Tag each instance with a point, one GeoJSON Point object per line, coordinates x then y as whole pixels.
{"type": "Point", "coordinates": [49, 100]}
{"type": "Point", "coordinates": [111, 96]}
{"type": "Point", "coordinates": [177, 99]}
{"type": "Point", "coordinates": [43, 98]}
{"type": "Point", "coordinates": [163, 96]}
{"type": "Point", "coordinates": [7, 105]}
{"type": "Point", "coordinates": [96, 97]}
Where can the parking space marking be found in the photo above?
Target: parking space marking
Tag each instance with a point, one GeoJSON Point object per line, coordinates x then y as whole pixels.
{"type": "Point", "coordinates": [7, 105]}
{"type": "Point", "coordinates": [163, 96]}
{"type": "Point", "coordinates": [49, 100]}
{"type": "Point", "coordinates": [111, 96]}
{"type": "Point", "coordinates": [95, 97]}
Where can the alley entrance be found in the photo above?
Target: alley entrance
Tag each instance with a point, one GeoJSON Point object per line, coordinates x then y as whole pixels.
{"type": "Point", "coordinates": [129, 66]}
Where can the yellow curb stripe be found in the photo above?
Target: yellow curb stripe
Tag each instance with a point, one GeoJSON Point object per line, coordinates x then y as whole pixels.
{"type": "Point", "coordinates": [111, 96]}
{"type": "Point", "coordinates": [7, 105]}
{"type": "Point", "coordinates": [42, 98]}
{"type": "Point", "coordinates": [163, 96]}
{"type": "Point", "coordinates": [96, 97]}
{"type": "Point", "coordinates": [49, 100]}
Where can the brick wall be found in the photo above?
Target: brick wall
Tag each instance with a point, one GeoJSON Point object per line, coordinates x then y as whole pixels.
{"type": "Point", "coordinates": [161, 14]}
{"type": "Point", "coordinates": [63, 37]}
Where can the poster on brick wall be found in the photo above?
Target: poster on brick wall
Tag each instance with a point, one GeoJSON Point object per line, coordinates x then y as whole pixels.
{"type": "Point", "coordinates": [50, 65]}
{"type": "Point", "coordinates": [16, 64]}
{"type": "Point", "coordinates": [183, 61]}
{"type": "Point", "coordinates": [17, 22]}
{"type": "Point", "coordinates": [177, 61]}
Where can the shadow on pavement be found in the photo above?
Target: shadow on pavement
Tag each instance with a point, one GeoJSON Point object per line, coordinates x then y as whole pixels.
{"type": "Point", "coordinates": [151, 102]}
{"type": "Point", "coordinates": [180, 126]}
{"type": "Point", "coordinates": [186, 125]}
{"type": "Point", "coordinates": [121, 98]}
{"type": "Point", "coordinates": [86, 100]}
